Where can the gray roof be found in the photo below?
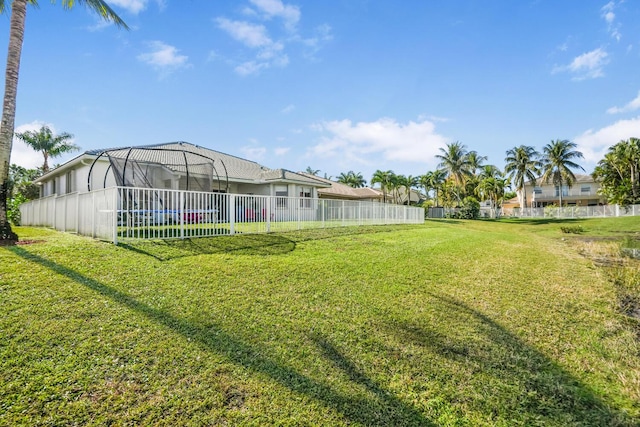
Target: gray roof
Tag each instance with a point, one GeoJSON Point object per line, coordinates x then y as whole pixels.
{"type": "Point", "coordinates": [343, 191]}
{"type": "Point", "coordinates": [580, 178]}
{"type": "Point", "coordinates": [236, 168]}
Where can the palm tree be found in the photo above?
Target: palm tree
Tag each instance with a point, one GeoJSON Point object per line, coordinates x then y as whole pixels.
{"type": "Point", "coordinates": [475, 161]}
{"type": "Point", "coordinates": [492, 188]}
{"type": "Point", "coordinates": [522, 165]}
{"type": "Point", "coordinates": [438, 179]}
{"type": "Point", "coordinates": [425, 182]}
{"type": "Point", "coordinates": [48, 144]}
{"type": "Point", "coordinates": [455, 161]}
{"type": "Point", "coordinates": [385, 179]}
{"type": "Point", "coordinates": [407, 182]}
{"type": "Point", "coordinates": [312, 171]}
{"type": "Point", "coordinates": [352, 179]}
{"type": "Point", "coordinates": [619, 173]}
{"type": "Point", "coordinates": [16, 37]}
{"type": "Point", "coordinates": [557, 162]}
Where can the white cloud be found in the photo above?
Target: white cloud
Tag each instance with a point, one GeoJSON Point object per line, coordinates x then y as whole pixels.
{"type": "Point", "coordinates": [411, 142]}
{"type": "Point", "coordinates": [594, 143]}
{"type": "Point", "coordinates": [609, 16]}
{"type": "Point", "coordinates": [253, 152]}
{"type": "Point", "coordinates": [251, 35]}
{"type": "Point", "coordinates": [288, 109]}
{"type": "Point", "coordinates": [131, 6]}
{"type": "Point", "coordinates": [632, 105]}
{"type": "Point", "coordinates": [268, 41]}
{"type": "Point", "coordinates": [254, 36]}
{"type": "Point", "coordinates": [164, 58]}
{"type": "Point", "coordinates": [25, 156]}
{"type": "Point", "coordinates": [586, 66]}
{"type": "Point", "coordinates": [281, 151]}
{"type": "Point", "coordinates": [290, 14]}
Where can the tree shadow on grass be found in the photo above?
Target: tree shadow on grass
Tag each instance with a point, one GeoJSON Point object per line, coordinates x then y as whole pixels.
{"type": "Point", "coordinates": [250, 244]}
{"type": "Point", "coordinates": [520, 383]}
{"type": "Point", "coordinates": [363, 410]}
{"type": "Point", "coordinates": [540, 221]}
{"type": "Point", "coordinates": [246, 244]}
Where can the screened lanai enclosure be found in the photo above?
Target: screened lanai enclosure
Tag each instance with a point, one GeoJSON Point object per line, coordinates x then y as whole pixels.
{"type": "Point", "coordinates": [160, 167]}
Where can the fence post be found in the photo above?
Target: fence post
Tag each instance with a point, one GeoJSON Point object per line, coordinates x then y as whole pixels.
{"type": "Point", "coordinates": [78, 212]}
{"type": "Point", "coordinates": [232, 214]}
{"type": "Point", "coordinates": [115, 216]}
{"type": "Point", "coordinates": [93, 214]}
{"type": "Point", "coordinates": [181, 213]}
{"type": "Point", "coordinates": [268, 201]}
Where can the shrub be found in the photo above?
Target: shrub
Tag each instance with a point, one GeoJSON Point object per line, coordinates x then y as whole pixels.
{"type": "Point", "coordinates": [470, 209]}
{"type": "Point", "coordinates": [576, 229]}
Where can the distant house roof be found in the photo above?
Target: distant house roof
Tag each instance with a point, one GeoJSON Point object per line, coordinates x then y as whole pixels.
{"type": "Point", "coordinates": [338, 190]}
{"type": "Point", "coordinates": [580, 178]}
{"type": "Point", "coordinates": [236, 168]}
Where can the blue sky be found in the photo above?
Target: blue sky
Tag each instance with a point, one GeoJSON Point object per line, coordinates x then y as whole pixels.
{"type": "Point", "coordinates": [337, 85]}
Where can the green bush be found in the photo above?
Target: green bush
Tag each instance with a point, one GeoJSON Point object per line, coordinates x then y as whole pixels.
{"type": "Point", "coordinates": [470, 209]}
{"type": "Point", "coordinates": [13, 208]}
{"type": "Point", "coordinates": [576, 229]}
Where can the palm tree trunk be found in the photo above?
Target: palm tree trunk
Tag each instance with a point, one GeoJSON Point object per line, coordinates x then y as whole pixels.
{"type": "Point", "coordinates": [16, 37]}
{"type": "Point", "coordinates": [560, 192]}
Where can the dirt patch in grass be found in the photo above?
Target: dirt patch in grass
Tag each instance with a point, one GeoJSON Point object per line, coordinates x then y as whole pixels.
{"type": "Point", "coordinates": [28, 242]}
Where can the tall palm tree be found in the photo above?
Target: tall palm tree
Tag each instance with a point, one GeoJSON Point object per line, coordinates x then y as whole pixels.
{"type": "Point", "coordinates": [455, 161]}
{"type": "Point", "coordinates": [407, 182]}
{"type": "Point", "coordinates": [312, 171]}
{"type": "Point", "coordinates": [352, 179]}
{"type": "Point", "coordinates": [492, 188]}
{"type": "Point", "coordinates": [7, 125]}
{"type": "Point", "coordinates": [557, 162]}
{"type": "Point", "coordinates": [619, 173]}
{"type": "Point", "coordinates": [522, 165]}
{"type": "Point", "coordinates": [385, 179]}
{"type": "Point", "coordinates": [476, 161]}
{"type": "Point", "coordinates": [438, 179]}
{"type": "Point", "coordinates": [425, 182]}
{"type": "Point", "coordinates": [47, 143]}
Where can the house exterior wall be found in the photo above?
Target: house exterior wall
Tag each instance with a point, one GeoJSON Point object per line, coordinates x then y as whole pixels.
{"type": "Point", "coordinates": [584, 192]}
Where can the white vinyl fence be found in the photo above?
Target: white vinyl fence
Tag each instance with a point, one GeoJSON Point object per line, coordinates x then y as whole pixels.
{"type": "Point", "coordinates": [120, 213]}
{"type": "Point", "coordinates": [547, 212]}
{"type": "Point", "coordinates": [574, 212]}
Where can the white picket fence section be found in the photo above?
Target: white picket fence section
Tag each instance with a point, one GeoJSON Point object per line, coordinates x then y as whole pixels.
{"type": "Point", "coordinates": [121, 213]}
{"type": "Point", "coordinates": [574, 212]}
{"type": "Point", "coordinates": [604, 211]}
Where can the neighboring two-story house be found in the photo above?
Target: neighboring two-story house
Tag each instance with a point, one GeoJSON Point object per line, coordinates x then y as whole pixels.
{"type": "Point", "coordinates": [583, 192]}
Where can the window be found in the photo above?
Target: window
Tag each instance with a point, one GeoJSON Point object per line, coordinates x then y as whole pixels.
{"type": "Point", "coordinates": [565, 190]}
{"type": "Point", "coordinates": [281, 196]}
{"type": "Point", "coordinates": [53, 186]}
{"type": "Point", "coordinates": [585, 189]}
{"type": "Point", "coordinates": [69, 182]}
{"type": "Point", "coordinates": [537, 190]}
{"type": "Point", "coordinates": [305, 195]}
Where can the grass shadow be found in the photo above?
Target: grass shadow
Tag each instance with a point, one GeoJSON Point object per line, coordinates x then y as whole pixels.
{"type": "Point", "coordinates": [247, 244]}
{"type": "Point", "coordinates": [361, 410]}
{"type": "Point", "coordinates": [516, 376]}
{"type": "Point", "coordinates": [539, 221]}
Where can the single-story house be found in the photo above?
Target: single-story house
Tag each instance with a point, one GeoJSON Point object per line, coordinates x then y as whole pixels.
{"type": "Point", "coordinates": [175, 166]}
{"type": "Point", "coordinates": [340, 191]}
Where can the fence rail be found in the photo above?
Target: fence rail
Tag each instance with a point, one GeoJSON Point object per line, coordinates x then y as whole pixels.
{"type": "Point", "coordinates": [121, 213]}
{"type": "Point", "coordinates": [547, 212]}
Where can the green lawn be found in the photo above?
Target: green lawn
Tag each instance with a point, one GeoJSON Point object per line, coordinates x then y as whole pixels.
{"type": "Point", "coordinates": [447, 323]}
